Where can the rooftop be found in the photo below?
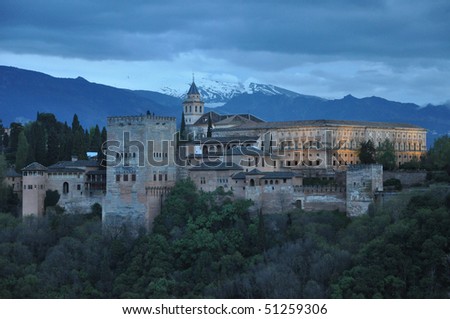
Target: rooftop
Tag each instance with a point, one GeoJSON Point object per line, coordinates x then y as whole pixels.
{"type": "Point", "coordinates": [193, 89]}
{"type": "Point", "coordinates": [228, 139]}
{"type": "Point", "coordinates": [245, 150]}
{"type": "Point", "coordinates": [11, 172]}
{"type": "Point", "coordinates": [227, 119]}
{"type": "Point", "coordinates": [74, 164]}
{"type": "Point", "coordinates": [216, 166]}
{"type": "Point", "coordinates": [35, 166]}
{"type": "Point", "coordinates": [65, 170]}
{"type": "Point", "coordinates": [322, 123]}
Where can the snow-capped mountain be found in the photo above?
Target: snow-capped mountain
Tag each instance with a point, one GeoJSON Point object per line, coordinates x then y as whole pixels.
{"type": "Point", "coordinates": [217, 93]}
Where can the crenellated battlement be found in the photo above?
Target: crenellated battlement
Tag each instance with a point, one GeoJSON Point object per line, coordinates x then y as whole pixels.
{"type": "Point", "coordinates": [132, 119]}
{"type": "Point", "coordinates": [318, 189]}
{"type": "Point", "coordinates": [157, 190]}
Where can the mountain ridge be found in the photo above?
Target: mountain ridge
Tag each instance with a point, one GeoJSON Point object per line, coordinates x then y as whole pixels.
{"type": "Point", "coordinates": [23, 93]}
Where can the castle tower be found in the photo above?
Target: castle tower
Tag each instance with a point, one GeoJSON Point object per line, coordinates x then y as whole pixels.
{"type": "Point", "coordinates": [34, 178]}
{"type": "Point", "coordinates": [140, 169]}
{"type": "Point", "coordinates": [193, 107]}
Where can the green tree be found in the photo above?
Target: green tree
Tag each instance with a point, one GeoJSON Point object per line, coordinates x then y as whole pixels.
{"type": "Point", "coordinates": [183, 127]}
{"type": "Point", "coordinates": [367, 152]}
{"type": "Point", "coordinates": [5, 140]}
{"type": "Point", "coordinates": [66, 148]}
{"type": "Point", "coordinates": [95, 139]}
{"type": "Point", "coordinates": [22, 152]}
{"type": "Point", "coordinates": [76, 124]}
{"type": "Point", "coordinates": [385, 155]}
{"type": "Point", "coordinates": [16, 128]}
{"type": "Point", "coordinates": [37, 141]}
{"type": "Point", "coordinates": [210, 127]}
{"type": "Point", "coordinates": [79, 144]}
{"type": "Point", "coordinates": [2, 134]}
{"type": "Point", "coordinates": [53, 146]}
{"type": "Point", "coordinates": [51, 198]}
{"type": "Point", "coordinates": [439, 154]}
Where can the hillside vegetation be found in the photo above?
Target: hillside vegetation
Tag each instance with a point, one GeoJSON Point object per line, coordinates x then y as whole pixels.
{"type": "Point", "coordinates": [207, 245]}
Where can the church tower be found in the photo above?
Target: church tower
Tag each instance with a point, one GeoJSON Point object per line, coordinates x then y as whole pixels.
{"type": "Point", "coordinates": [193, 107]}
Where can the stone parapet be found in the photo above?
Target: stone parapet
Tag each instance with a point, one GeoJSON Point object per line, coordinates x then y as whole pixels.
{"type": "Point", "coordinates": [114, 120]}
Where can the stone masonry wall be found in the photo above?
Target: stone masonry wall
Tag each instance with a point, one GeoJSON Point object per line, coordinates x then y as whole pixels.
{"type": "Point", "coordinates": [406, 178]}
{"type": "Point", "coordinates": [361, 183]}
{"type": "Point", "coordinates": [142, 173]}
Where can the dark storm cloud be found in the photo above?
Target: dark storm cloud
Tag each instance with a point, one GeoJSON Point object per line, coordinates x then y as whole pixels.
{"type": "Point", "coordinates": [139, 30]}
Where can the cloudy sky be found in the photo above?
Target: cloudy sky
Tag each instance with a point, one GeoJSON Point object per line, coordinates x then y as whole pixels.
{"type": "Point", "coordinates": [397, 49]}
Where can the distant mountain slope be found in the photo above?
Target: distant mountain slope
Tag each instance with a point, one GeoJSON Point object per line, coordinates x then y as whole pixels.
{"type": "Point", "coordinates": [23, 93]}
{"type": "Point", "coordinates": [284, 108]}
{"type": "Point", "coordinates": [216, 93]}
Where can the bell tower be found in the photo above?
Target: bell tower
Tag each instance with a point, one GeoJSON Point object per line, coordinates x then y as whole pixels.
{"type": "Point", "coordinates": [193, 106]}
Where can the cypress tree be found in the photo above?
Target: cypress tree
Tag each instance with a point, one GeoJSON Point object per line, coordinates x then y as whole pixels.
{"type": "Point", "coordinates": [210, 127]}
{"type": "Point", "coordinates": [76, 124]}
{"type": "Point", "coordinates": [22, 152]}
{"type": "Point", "coordinates": [183, 127]}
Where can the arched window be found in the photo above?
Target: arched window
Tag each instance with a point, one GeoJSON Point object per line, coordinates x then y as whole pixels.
{"type": "Point", "coordinates": [65, 188]}
{"type": "Point", "coordinates": [252, 182]}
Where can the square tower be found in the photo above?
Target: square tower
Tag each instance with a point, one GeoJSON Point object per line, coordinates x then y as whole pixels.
{"type": "Point", "coordinates": [140, 168]}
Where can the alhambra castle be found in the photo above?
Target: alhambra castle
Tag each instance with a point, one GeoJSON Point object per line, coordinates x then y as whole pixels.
{"type": "Point", "coordinates": [312, 165]}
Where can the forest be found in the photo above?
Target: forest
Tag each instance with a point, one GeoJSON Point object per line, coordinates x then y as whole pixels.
{"type": "Point", "coordinates": [47, 141]}
{"type": "Point", "coordinates": [208, 245]}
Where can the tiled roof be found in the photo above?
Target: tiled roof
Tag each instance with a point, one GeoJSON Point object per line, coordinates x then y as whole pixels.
{"type": "Point", "coordinates": [255, 172]}
{"type": "Point", "coordinates": [78, 163]}
{"type": "Point", "coordinates": [216, 166]}
{"type": "Point", "coordinates": [11, 172]}
{"type": "Point", "coordinates": [240, 175]}
{"type": "Point", "coordinates": [322, 123]}
{"type": "Point", "coordinates": [35, 166]}
{"type": "Point", "coordinates": [65, 170]}
{"type": "Point", "coordinates": [245, 150]}
{"type": "Point", "coordinates": [203, 120]}
{"type": "Point", "coordinates": [226, 119]}
{"type": "Point", "coordinates": [228, 139]}
{"type": "Point", "coordinates": [234, 120]}
{"type": "Point", "coordinates": [193, 89]}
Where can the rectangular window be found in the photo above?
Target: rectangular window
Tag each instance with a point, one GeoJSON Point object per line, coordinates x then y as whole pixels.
{"type": "Point", "coordinates": [78, 187]}
{"type": "Point", "coordinates": [125, 177]}
{"type": "Point", "coordinates": [117, 178]}
{"type": "Point", "coordinates": [133, 177]}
